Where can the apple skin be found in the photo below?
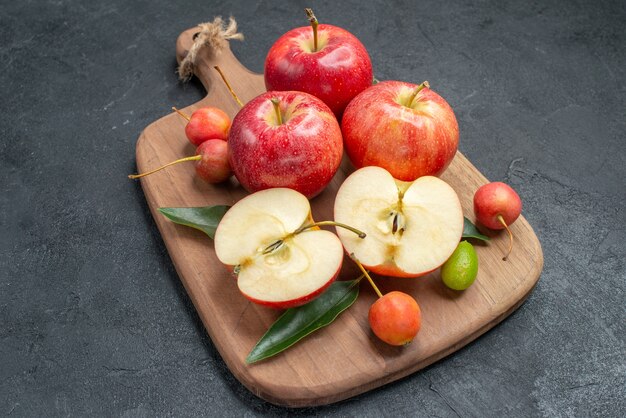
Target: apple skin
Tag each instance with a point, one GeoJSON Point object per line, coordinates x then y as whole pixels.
{"type": "Point", "coordinates": [409, 142]}
{"type": "Point", "coordinates": [303, 153]}
{"type": "Point", "coordinates": [336, 73]}
{"type": "Point", "coordinates": [214, 166]}
{"type": "Point", "coordinates": [207, 123]}
{"type": "Point", "coordinates": [390, 270]}
{"type": "Point", "coordinates": [493, 199]}
{"type": "Point", "coordinates": [395, 318]}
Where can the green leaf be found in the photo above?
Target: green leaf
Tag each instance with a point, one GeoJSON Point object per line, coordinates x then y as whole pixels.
{"type": "Point", "coordinates": [470, 231]}
{"type": "Point", "coordinates": [204, 218]}
{"type": "Point", "coordinates": [297, 323]}
{"type": "Point", "coordinates": [375, 81]}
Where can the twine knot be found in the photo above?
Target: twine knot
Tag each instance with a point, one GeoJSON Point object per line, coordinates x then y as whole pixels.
{"type": "Point", "coordinates": [212, 35]}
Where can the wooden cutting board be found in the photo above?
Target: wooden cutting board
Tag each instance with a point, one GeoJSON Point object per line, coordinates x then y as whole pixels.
{"type": "Point", "coordinates": [345, 358]}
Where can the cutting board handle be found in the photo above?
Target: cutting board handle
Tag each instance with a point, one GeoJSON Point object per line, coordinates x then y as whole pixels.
{"type": "Point", "coordinates": [207, 59]}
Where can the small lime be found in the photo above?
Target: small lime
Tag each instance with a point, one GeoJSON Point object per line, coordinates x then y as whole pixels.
{"type": "Point", "coordinates": [460, 271]}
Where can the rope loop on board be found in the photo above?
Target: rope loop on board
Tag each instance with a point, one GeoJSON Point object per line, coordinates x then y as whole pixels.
{"type": "Point", "coordinates": [213, 35]}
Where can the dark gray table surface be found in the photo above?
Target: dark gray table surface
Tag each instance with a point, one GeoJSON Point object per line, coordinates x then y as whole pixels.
{"type": "Point", "coordinates": [93, 318]}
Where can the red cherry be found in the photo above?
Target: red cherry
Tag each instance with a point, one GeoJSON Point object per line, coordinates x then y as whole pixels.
{"type": "Point", "coordinates": [497, 205]}
{"type": "Point", "coordinates": [206, 123]}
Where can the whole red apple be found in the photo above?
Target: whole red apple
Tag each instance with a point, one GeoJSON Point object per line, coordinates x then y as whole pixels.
{"type": "Point", "coordinates": [285, 139]}
{"type": "Point", "coordinates": [207, 123]}
{"type": "Point", "coordinates": [335, 68]}
{"type": "Point", "coordinates": [407, 129]}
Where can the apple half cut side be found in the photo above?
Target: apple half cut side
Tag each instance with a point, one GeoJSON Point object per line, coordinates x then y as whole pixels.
{"type": "Point", "coordinates": [278, 263]}
{"type": "Point", "coordinates": [412, 227]}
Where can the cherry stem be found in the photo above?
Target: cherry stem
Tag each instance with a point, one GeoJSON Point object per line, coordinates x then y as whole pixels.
{"type": "Point", "coordinates": [501, 220]}
{"type": "Point", "coordinates": [230, 89]}
{"type": "Point", "coordinates": [279, 116]}
{"type": "Point", "coordinates": [181, 113]}
{"type": "Point", "coordinates": [358, 263]}
{"type": "Point", "coordinates": [193, 158]}
{"type": "Point", "coordinates": [416, 91]}
{"type": "Point", "coordinates": [314, 23]}
{"type": "Point", "coordinates": [361, 234]}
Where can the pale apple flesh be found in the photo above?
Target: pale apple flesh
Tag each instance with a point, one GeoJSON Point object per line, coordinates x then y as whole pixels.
{"type": "Point", "coordinates": [301, 268]}
{"type": "Point", "coordinates": [412, 227]}
{"type": "Point", "coordinates": [274, 266]}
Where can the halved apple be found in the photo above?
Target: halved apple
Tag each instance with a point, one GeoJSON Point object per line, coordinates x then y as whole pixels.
{"type": "Point", "coordinates": [280, 258]}
{"type": "Point", "coordinates": [412, 227]}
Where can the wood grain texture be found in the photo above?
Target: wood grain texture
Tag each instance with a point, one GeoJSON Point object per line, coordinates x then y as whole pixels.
{"type": "Point", "coordinates": [344, 359]}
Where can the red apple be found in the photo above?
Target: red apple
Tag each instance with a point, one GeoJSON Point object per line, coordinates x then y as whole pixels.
{"type": "Point", "coordinates": [207, 123]}
{"type": "Point", "coordinates": [295, 143]}
{"type": "Point", "coordinates": [335, 70]}
{"type": "Point", "coordinates": [407, 129]}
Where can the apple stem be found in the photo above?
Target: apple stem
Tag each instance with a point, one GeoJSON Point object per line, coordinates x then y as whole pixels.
{"type": "Point", "coordinates": [361, 234]}
{"type": "Point", "coordinates": [314, 23]}
{"type": "Point", "coordinates": [358, 263]}
{"type": "Point", "coordinates": [193, 158]}
{"type": "Point", "coordinates": [501, 220]}
{"type": "Point", "coordinates": [279, 116]}
{"type": "Point", "coordinates": [230, 89]}
{"type": "Point", "coordinates": [278, 243]}
{"type": "Point", "coordinates": [416, 91]}
{"type": "Point", "coordinates": [181, 113]}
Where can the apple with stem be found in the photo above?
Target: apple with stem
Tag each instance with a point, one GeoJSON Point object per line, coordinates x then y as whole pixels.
{"type": "Point", "coordinates": [497, 206]}
{"type": "Point", "coordinates": [395, 317]}
{"type": "Point", "coordinates": [405, 128]}
{"type": "Point", "coordinates": [206, 123]}
{"type": "Point", "coordinates": [323, 60]}
{"type": "Point", "coordinates": [211, 162]}
{"type": "Point", "coordinates": [412, 227]}
{"type": "Point", "coordinates": [285, 139]}
{"type": "Point", "coordinates": [280, 256]}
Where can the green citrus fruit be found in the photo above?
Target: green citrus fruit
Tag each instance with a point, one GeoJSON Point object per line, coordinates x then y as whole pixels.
{"type": "Point", "coordinates": [460, 271]}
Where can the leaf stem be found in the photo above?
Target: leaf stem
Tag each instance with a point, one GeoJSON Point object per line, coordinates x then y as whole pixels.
{"type": "Point", "coordinates": [182, 160]}
{"type": "Point", "coordinates": [314, 23]}
{"type": "Point", "coordinates": [230, 89]}
{"type": "Point", "coordinates": [358, 263]}
{"type": "Point", "coordinates": [501, 220]}
{"type": "Point", "coordinates": [181, 113]}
